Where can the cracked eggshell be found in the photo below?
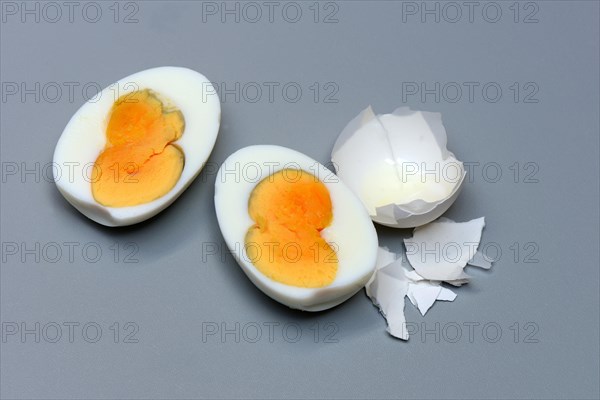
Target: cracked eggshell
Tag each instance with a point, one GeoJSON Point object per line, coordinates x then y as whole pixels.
{"type": "Point", "coordinates": [455, 242]}
{"type": "Point", "coordinates": [394, 279]}
{"type": "Point", "coordinates": [84, 138]}
{"type": "Point", "coordinates": [351, 230]}
{"type": "Point", "coordinates": [384, 159]}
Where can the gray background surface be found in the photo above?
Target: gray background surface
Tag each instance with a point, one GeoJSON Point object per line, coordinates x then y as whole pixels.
{"type": "Point", "coordinates": [176, 291]}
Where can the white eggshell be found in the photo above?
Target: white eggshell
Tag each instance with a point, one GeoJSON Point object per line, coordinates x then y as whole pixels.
{"type": "Point", "coordinates": [351, 230]}
{"type": "Point", "coordinates": [457, 243]}
{"type": "Point", "coordinates": [385, 160]}
{"type": "Point", "coordinates": [84, 138]}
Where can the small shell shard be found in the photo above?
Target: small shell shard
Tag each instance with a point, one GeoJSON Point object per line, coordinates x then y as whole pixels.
{"type": "Point", "coordinates": [384, 258]}
{"type": "Point", "coordinates": [387, 291]}
{"type": "Point", "coordinates": [440, 250]}
{"type": "Point", "coordinates": [424, 295]}
{"type": "Point", "coordinates": [446, 295]}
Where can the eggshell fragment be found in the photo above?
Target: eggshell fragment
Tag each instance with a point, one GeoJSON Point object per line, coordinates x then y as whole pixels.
{"type": "Point", "coordinates": [384, 258]}
{"type": "Point", "coordinates": [424, 294]}
{"type": "Point", "coordinates": [387, 291]}
{"type": "Point", "coordinates": [439, 251]}
{"type": "Point", "coordinates": [399, 166]}
{"type": "Point", "coordinates": [392, 282]}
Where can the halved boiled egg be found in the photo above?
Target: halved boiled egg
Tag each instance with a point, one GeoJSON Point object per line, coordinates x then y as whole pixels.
{"type": "Point", "coordinates": [297, 231]}
{"type": "Point", "coordinates": [136, 146]}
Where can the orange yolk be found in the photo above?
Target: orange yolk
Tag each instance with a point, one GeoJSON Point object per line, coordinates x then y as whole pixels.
{"type": "Point", "coordinates": [139, 164]}
{"type": "Point", "coordinates": [290, 208]}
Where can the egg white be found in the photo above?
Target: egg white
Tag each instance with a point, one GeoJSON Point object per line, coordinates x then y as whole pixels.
{"type": "Point", "coordinates": [351, 230]}
{"type": "Point", "coordinates": [84, 138]}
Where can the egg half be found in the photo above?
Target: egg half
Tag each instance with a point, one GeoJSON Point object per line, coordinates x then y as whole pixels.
{"type": "Point", "coordinates": [131, 150]}
{"type": "Point", "coordinates": [297, 231]}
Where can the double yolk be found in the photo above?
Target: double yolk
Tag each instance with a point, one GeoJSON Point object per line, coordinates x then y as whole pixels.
{"type": "Point", "coordinates": [139, 163]}
{"type": "Point", "coordinates": [290, 209]}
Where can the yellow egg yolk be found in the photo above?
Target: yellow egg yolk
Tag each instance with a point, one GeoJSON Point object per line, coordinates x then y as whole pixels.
{"type": "Point", "coordinates": [290, 208]}
{"type": "Point", "coordinates": [139, 163]}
